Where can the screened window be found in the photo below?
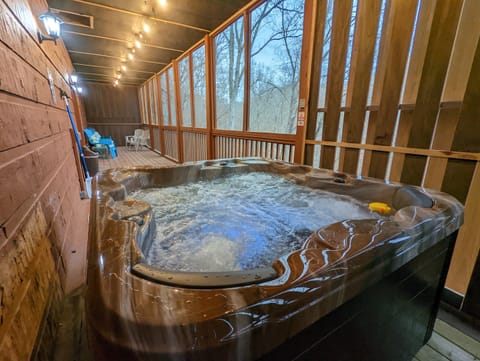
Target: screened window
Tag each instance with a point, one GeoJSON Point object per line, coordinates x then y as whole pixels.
{"type": "Point", "coordinates": [276, 45]}
{"type": "Point", "coordinates": [229, 77]}
{"type": "Point", "coordinates": [171, 92]}
{"type": "Point", "coordinates": [184, 69]}
{"type": "Point", "coordinates": [163, 90]}
{"type": "Point", "coordinates": [199, 87]}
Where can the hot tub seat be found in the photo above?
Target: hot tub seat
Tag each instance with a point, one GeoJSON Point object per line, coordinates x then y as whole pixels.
{"type": "Point", "coordinates": [136, 312]}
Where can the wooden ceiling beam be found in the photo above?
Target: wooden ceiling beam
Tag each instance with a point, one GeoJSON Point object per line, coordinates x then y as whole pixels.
{"type": "Point", "coordinates": [113, 67]}
{"type": "Point", "coordinates": [153, 18]}
{"type": "Point", "coordinates": [110, 76]}
{"type": "Point", "coordinates": [115, 57]}
{"type": "Point", "coordinates": [109, 38]}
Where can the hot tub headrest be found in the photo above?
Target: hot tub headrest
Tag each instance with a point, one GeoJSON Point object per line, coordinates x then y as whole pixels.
{"type": "Point", "coordinates": [410, 196]}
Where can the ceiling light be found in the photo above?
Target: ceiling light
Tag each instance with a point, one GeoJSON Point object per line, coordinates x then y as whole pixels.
{"type": "Point", "coordinates": [123, 67]}
{"type": "Point", "coordinates": [140, 35]}
{"type": "Point", "coordinates": [119, 76]}
{"type": "Point", "coordinates": [79, 89]}
{"type": "Point", "coordinates": [138, 44]}
{"type": "Point", "coordinates": [162, 2]}
{"type": "Point", "coordinates": [115, 82]}
{"type": "Point", "coordinates": [130, 56]}
{"type": "Point", "coordinates": [146, 27]}
{"type": "Point", "coordinates": [52, 26]}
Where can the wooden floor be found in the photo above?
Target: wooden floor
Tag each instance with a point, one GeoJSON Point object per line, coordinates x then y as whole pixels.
{"type": "Point", "coordinates": [126, 157]}
{"type": "Point", "coordinates": [447, 342]}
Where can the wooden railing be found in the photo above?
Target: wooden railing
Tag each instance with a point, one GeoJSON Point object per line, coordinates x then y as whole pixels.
{"type": "Point", "coordinates": [171, 144]}
{"type": "Point", "coordinates": [195, 144]}
{"type": "Point", "coordinates": [228, 144]}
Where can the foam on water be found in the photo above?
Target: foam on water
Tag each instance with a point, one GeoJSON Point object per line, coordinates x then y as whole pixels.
{"type": "Point", "coordinates": [238, 222]}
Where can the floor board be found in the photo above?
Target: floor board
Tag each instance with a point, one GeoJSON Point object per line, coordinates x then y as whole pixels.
{"type": "Point", "coordinates": [143, 156]}
{"type": "Point", "coordinates": [449, 344]}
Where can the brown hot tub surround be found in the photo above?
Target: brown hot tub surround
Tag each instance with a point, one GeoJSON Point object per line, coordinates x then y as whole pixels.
{"type": "Point", "coordinates": [372, 284]}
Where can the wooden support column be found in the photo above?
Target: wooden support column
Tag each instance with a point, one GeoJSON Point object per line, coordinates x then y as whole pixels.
{"type": "Point", "coordinates": [210, 90]}
{"type": "Point", "coordinates": [149, 113]}
{"type": "Point", "coordinates": [305, 78]}
{"type": "Point", "coordinates": [161, 119]}
{"type": "Point", "coordinates": [246, 78]}
{"type": "Point", "coordinates": [176, 83]}
{"type": "Point", "coordinates": [310, 74]}
{"type": "Point", "coordinates": [192, 89]}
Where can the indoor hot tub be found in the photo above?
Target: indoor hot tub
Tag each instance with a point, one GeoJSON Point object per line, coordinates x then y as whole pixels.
{"type": "Point", "coordinates": [247, 259]}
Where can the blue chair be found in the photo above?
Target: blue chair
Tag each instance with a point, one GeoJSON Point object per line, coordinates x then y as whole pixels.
{"type": "Point", "coordinates": [100, 143]}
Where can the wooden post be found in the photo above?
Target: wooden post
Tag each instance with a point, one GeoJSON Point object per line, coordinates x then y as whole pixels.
{"type": "Point", "coordinates": [210, 85]}
{"type": "Point", "coordinates": [313, 27]}
{"type": "Point", "coordinates": [246, 78]}
{"type": "Point", "coordinates": [161, 120]}
{"type": "Point", "coordinates": [177, 93]}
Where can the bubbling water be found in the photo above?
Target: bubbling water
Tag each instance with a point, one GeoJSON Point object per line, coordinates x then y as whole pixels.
{"type": "Point", "coordinates": [238, 222]}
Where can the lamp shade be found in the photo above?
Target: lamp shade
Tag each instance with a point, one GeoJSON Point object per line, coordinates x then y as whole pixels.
{"type": "Point", "coordinates": [52, 24]}
{"type": "Point", "coordinates": [73, 79]}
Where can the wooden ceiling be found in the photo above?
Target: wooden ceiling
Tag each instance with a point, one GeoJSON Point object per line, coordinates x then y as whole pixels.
{"type": "Point", "coordinates": [99, 33]}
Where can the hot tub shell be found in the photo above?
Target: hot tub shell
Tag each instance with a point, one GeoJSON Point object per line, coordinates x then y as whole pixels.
{"type": "Point", "coordinates": [354, 285]}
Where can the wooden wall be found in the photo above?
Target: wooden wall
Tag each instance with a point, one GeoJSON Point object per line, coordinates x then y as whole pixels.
{"type": "Point", "coordinates": [40, 207]}
{"type": "Point", "coordinates": [112, 111]}
{"type": "Point", "coordinates": [410, 108]}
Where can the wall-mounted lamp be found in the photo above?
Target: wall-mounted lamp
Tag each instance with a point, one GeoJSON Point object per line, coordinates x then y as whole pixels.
{"type": "Point", "coordinates": [52, 26]}
{"type": "Point", "coordinates": [73, 79]}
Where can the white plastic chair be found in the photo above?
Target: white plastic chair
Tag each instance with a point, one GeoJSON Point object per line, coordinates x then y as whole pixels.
{"type": "Point", "coordinates": [134, 141]}
{"type": "Point", "coordinates": [145, 139]}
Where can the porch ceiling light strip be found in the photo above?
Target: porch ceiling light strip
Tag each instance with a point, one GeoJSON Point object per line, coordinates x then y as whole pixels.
{"type": "Point", "coordinates": [121, 40]}
{"type": "Point", "coordinates": [114, 57]}
{"type": "Point", "coordinates": [113, 67]}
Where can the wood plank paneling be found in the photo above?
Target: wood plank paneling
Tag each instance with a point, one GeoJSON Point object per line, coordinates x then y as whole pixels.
{"type": "Point", "coordinates": [336, 71]}
{"type": "Point", "coordinates": [39, 182]}
{"type": "Point", "coordinates": [112, 111]}
{"type": "Point", "coordinates": [361, 64]}
{"type": "Point", "coordinates": [401, 17]}
{"type": "Point", "coordinates": [460, 177]}
{"type": "Point", "coordinates": [434, 71]}
{"type": "Point", "coordinates": [466, 40]}
{"type": "Point", "coordinates": [412, 84]}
